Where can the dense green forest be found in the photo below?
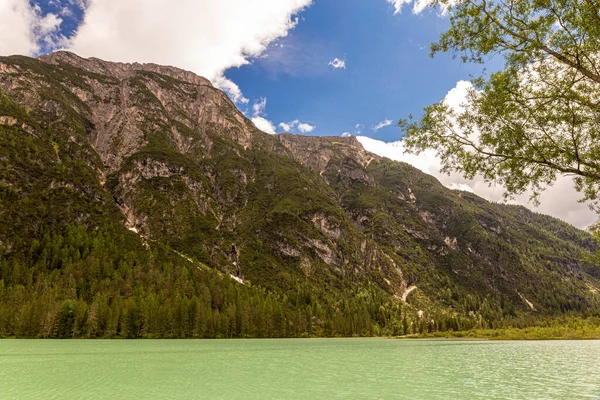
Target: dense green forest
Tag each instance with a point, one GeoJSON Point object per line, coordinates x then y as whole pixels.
{"type": "Point", "coordinates": [97, 285]}
{"type": "Point", "coordinates": [139, 204]}
{"type": "Point", "coordinates": [88, 285]}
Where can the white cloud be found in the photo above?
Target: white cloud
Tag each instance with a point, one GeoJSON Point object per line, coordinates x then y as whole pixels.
{"type": "Point", "coordinates": [559, 200]}
{"type": "Point", "coordinates": [419, 5]}
{"type": "Point", "coordinates": [382, 124]}
{"type": "Point", "coordinates": [229, 87]}
{"type": "Point", "coordinates": [49, 23]}
{"type": "Point", "coordinates": [258, 117]}
{"type": "Point", "coordinates": [398, 5]}
{"type": "Point", "coordinates": [457, 96]}
{"type": "Point", "coordinates": [301, 126]}
{"type": "Point", "coordinates": [336, 63]}
{"type": "Point", "coordinates": [258, 113]}
{"type": "Point", "coordinates": [264, 125]}
{"type": "Point", "coordinates": [17, 19]}
{"type": "Point", "coordinates": [358, 128]}
{"type": "Point", "coordinates": [306, 128]}
{"type": "Point", "coordinates": [66, 12]}
{"type": "Point", "coordinates": [82, 4]}
{"type": "Point", "coordinates": [203, 36]}
{"type": "Point", "coordinates": [259, 107]}
{"type": "Point", "coordinates": [23, 28]}
{"type": "Point", "coordinates": [427, 161]}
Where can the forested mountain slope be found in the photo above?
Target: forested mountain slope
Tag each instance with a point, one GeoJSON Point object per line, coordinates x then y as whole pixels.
{"type": "Point", "coordinates": [137, 201]}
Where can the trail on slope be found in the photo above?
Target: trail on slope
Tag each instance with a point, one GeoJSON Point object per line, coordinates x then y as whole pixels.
{"type": "Point", "coordinates": [407, 292]}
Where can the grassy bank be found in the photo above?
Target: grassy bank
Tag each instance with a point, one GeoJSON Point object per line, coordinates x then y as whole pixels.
{"type": "Point", "coordinates": [532, 333]}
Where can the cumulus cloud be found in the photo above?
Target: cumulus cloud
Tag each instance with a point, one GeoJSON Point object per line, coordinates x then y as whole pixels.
{"type": "Point", "coordinates": [49, 24]}
{"type": "Point", "coordinates": [306, 128]}
{"type": "Point", "coordinates": [346, 134]}
{"type": "Point", "coordinates": [264, 125]}
{"type": "Point", "coordinates": [202, 36]}
{"type": "Point", "coordinates": [382, 124]}
{"type": "Point", "coordinates": [457, 96]}
{"type": "Point", "coordinates": [559, 200]}
{"type": "Point", "coordinates": [24, 30]}
{"type": "Point", "coordinates": [258, 117]}
{"type": "Point", "coordinates": [427, 161]}
{"type": "Point", "coordinates": [301, 126]}
{"type": "Point", "coordinates": [336, 63]}
{"type": "Point", "coordinates": [16, 23]}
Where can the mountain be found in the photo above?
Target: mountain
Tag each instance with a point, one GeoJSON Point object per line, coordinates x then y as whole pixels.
{"type": "Point", "coordinates": [137, 201]}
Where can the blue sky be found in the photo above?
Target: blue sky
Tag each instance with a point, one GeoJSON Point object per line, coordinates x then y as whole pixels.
{"type": "Point", "coordinates": [388, 73]}
{"type": "Point", "coordinates": [70, 19]}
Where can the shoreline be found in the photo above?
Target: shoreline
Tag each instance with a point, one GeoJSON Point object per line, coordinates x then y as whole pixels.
{"type": "Point", "coordinates": [531, 333]}
{"type": "Point", "coordinates": [424, 337]}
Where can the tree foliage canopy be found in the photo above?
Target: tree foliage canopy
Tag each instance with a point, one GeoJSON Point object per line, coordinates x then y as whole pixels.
{"type": "Point", "coordinates": [538, 117]}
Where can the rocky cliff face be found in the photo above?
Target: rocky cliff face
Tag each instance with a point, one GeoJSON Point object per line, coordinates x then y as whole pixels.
{"type": "Point", "coordinates": [124, 103]}
{"type": "Point", "coordinates": [169, 157]}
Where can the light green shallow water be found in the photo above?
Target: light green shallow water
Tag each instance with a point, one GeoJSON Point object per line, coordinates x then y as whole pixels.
{"type": "Point", "coordinates": [299, 369]}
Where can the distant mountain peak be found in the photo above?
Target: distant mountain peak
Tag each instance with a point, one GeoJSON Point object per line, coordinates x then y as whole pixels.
{"type": "Point", "coordinates": [120, 69]}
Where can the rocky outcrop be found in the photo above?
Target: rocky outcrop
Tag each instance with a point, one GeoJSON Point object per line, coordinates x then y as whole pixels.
{"type": "Point", "coordinates": [341, 155]}
{"type": "Point", "coordinates": [317, 152]}
{"type": "Point", "coordinates": [324, 225]}
{"type": "Point", "coordinates": [161, 152]}
{"type": "Point", "coordinates": [124, 102]}
{"type": "Point", "coordinates": [121, 70]}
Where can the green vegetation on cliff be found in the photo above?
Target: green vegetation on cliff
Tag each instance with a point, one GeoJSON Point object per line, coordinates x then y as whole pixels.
{"type": "Point", "coordinates": [135, 204]}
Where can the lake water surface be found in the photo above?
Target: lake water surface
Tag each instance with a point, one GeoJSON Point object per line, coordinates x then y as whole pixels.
{"type": "Point", "coordinates": [299, 369]}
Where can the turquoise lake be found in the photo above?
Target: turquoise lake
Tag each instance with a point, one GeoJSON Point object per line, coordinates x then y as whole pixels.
{"type": "Point", "coordinates": [299, 369]}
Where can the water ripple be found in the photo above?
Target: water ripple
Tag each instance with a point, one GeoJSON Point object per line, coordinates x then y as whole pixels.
{"type": "Point", "coordinates": [299, 369]}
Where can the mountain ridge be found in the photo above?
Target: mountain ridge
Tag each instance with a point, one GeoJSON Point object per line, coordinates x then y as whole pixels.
{"type": "Point", "coordinates": [157, 155]}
